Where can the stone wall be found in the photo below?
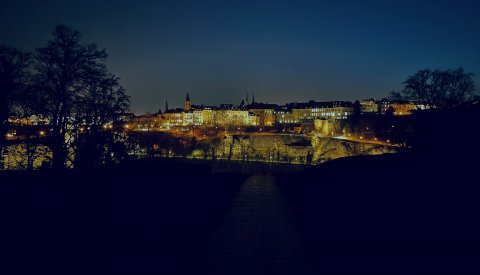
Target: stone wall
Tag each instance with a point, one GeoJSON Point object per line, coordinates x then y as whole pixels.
{"type": "Point", "coordinates": [293, 148]}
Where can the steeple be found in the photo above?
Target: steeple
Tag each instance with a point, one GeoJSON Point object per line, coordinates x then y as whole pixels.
{"type": "Point", "coordinates": [187, 105]}
{"type": "Point", "coordinates": [253, 98]}
{"type": "Point", "coordinates": [166, 105]}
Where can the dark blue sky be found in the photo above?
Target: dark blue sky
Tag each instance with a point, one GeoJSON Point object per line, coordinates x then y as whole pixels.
{"type": "Point", "coordinates": [283, 51]}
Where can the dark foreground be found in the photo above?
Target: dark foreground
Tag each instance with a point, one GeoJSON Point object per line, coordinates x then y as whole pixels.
{"type": "Point", "coordinates": [386, 214]}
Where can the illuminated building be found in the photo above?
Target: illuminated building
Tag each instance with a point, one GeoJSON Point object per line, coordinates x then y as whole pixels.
{"type": "Point", "coordinates": [31, 120]}
{"type": "Point", "coordinates": [369, 106]}
{"type": "Point", "coordinates": [200, 115]}
{"type": "Point", "coordinates": [307, 112]}
{"type": "Point", "coordinates": [232, 117]}
{"type": "Point", "coordinates": [173, 117]}
{"type": "Point", "coordinates": [208, 115]}
{"type": "Point", "coordinates": [402, 108]}
{"type": "Point", "coordinates": [284, 115]}
{"type": "Point", "coordinates": [264, 111]}
{"type": "Point", "coordinates": [384, 105]}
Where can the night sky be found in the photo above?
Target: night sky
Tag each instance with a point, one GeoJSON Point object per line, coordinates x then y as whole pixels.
{"type": "Point", "coordinates": [283, 51]}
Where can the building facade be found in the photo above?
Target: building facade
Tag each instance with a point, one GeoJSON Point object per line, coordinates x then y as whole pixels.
{"type": "Point", "coordinates": [369, 106]}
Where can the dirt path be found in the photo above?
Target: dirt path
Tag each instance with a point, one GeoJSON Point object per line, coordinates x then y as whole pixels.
{"type": "Point", "coordinates": [258, 234]}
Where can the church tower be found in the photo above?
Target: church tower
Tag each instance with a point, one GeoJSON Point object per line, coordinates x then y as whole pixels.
{"type": "Point", "coordinates": [187, 105]}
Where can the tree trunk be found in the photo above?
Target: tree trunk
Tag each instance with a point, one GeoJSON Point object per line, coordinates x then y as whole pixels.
{"type": "Point", "coordinates": [58, 151]}
{"type": "Point", "coordinates": [2, 144]}
{"type": "Point", "coordinates": [1, 156]}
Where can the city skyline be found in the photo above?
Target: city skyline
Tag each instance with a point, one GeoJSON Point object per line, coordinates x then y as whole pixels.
{"type": "Point", "coordinates": [282, 51]}
{"type": "Point", "coordinates": [249, 99]}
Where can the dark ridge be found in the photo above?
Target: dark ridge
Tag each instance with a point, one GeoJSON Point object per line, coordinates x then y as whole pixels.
{"type": "Point", "coordinates": [387, 207]}
{"type": "Point", "coordinates": [96, 219]}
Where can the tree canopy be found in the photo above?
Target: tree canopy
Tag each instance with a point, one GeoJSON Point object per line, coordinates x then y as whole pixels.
{"type": "Point", "coordinates": [438, 89]}
{"type": "Point", "coordinates": [69, 85]}
{"type": "Point", "coordinates": [13, 78]}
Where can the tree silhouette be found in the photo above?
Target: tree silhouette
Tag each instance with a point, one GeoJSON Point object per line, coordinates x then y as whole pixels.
{"type": "Point", "coordinates": [214, 146]}
{"type": "Point", "coordinates": [26, 104]}
{"type": "Point", "coordinates": [438, 89]}
{"type": "Point", "coordinates": [13, 76]}
{"type": "Point", "coordinates": [357, 109]}
{"type": "Point", "coordinates": [74, 87]}
{"type": "Point", "coordinates": [100, 105]}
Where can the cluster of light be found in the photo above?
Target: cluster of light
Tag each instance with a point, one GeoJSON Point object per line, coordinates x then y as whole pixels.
{"type": "Point", "coordinates": [41, 133]}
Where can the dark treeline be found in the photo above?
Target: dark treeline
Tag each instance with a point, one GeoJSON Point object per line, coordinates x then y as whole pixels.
{"type": "Point", "coordinates": [67, 84]}
{"type": "Point", "coordinates": [447, 98]}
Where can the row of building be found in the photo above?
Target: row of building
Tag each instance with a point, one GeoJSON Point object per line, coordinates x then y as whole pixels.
{"type": "Point", "coordinates": [255, 113]}
{"type": "Point", "coordinates": [264, 114]}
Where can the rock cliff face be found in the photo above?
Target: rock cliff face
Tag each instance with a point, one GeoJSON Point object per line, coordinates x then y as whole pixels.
{"type": "Point", "coordinates": [329, 148]}
{"type": "Point", "coordinates": [293, 148]}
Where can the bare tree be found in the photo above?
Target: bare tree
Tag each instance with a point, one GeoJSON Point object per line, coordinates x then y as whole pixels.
{"type": "Point", "coordinates": [68, 75]}
{"type": "Point", "coordinates": [438, 89]}
{"type": "Point", "coordinates": [26, 104]}
{"type": "Point", "coordinates": [100, 104]}
{"type": "Point", "coordinates": [214, 145]}
{"type": "Point", "coordinates": [13, 75]}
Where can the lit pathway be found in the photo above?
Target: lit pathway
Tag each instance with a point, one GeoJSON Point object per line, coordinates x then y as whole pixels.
{"type": "Point", "coordinates": [258, 234]}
